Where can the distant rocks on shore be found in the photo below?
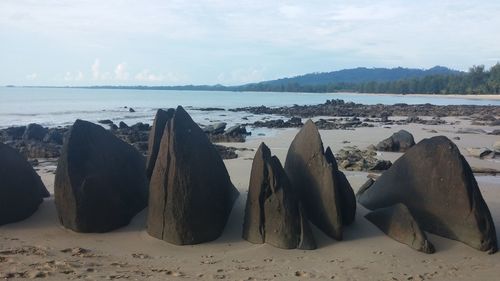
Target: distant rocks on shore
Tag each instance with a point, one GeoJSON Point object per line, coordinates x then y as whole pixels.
{"type": "Point", "coordinates": [341, 108]}
{"type": "Point", "coordinates": [400, 141]}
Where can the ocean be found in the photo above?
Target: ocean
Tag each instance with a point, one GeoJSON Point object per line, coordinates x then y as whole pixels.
{"type": "Point", "coordinates": [53, 107]}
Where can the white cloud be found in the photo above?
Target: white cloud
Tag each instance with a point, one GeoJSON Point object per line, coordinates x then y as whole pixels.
{"type": "Point", "coordinates": [169, 78]}
{"type": "Point", "coordinates": [32, 76]}
{"type": "Point", "coordinates": [77, 76]}
{"type": "Point", "coordinates": [242, 76]}
{"type": "Point", "coordinates": [121, 71]}
{"type": "Point", "coordinates": [96, 69]}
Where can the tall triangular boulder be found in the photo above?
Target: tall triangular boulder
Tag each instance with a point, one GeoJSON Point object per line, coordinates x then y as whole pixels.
{"type": "Point", "coordinates": [273, 214]}
{"type": "Point", "coordinates": [325, 193]}
{"type": "Point", "coordinates": [100, 181]}
{"type": "Point", "coordinates": [191, 194]}
{"type": "Point", "coordinates": [155, 135]}
{"type": "Point", "coordinates": [21, 189]}
{"type": "Point", "coordinates": [437, 185]}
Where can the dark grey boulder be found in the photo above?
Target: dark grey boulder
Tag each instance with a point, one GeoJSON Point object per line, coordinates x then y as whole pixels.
{"type": "Point", "coordinates": [398, 223]}
{"type": "Point", "coordinates": [100, 181]}
{"type": "Point", "coordinates": [398, 142]}
{"type": "Point", "coordinates": [155, 135]}
{"type": "Point", "coordinates": [21, 189]}
{"type": "Point", "coordinates": [437, 184]}
{"type": "Point", "coordinates": [325, 193]}
{"type": "Point", "coordinates": [191, 195]}
{"type": "Point", "coordinates": [35, 132]}
{"type": "Point", "coordinates": [273, 214]}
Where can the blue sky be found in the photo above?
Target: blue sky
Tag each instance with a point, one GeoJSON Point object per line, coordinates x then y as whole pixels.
{"type": "Point", "coordinates": [101, 42]}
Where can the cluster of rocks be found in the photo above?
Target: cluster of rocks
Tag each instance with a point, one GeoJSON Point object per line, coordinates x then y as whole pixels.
{"type": "Point", "coordinates": [430, 188]}
{"type": "Point", "coordinates": [310, 187]}
{"type": "Point", "coordinates": [484, 152]}
{"type": "Point", "coordinates": [352, 158]}
{"type": "Point", "coordinates": [35, 141]}
{"type": "Point", "coordinates": [218, 133]}
{"type": "Point", "coordinates": [338, 107]}
{"type": "Point", "coordinates": [341, 123]}
{"type": "Point", "coordinates": [102, 182]}
{"type": "Point", "coordinates": [294, 122]}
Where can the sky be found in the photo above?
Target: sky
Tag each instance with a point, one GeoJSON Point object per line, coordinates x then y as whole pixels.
{"type": "Point", "coordinates": [125, 42]}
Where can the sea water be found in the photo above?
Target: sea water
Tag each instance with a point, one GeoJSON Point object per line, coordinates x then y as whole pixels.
{"type": "Point", "coordinates": [62, 106]}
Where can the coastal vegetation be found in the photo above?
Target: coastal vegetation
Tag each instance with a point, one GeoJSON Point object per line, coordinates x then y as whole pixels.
{"type": "Point", "coordinates": [437, 80]}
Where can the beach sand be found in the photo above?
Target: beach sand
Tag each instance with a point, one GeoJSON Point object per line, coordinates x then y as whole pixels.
{"type": "Point", "coordinates": [40, 247]}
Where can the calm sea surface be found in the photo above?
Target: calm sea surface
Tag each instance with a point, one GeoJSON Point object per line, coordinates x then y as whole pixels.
{"type": "Point", "coordinates": [59, 107]}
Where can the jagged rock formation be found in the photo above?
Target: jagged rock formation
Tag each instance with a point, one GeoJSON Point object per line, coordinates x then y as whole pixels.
{"type": "Point", "coordinates": [100, 180]}
{"type": "Point", "coordinates": [437, 185]}
{"type": "Point", "coordinates": [325, 193]}
{"type": "Point", "coordinates": [155, 135]}
{"type": "Point", "coordinates": [273, 214]}
{"type": "Point", "coordinates": [21, 189]}
{"type": "Point", "coordinates": [398, 223]}
{"type": "Point", "coordinates": [400, 141]}
{"type": "Point", "coordinates": [191, 195]}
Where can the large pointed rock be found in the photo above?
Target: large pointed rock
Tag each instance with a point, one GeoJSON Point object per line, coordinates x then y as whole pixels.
{"type": "Point", "coordinates": [21, 189]}
{"type": "Point", "coordinates": [324, 191]}
{"type": "Point", "coordinates": [191, 195]}
{"type": "Point", "coordinates": [100, 180]}
{"type": "Point", "coordinates": [155, 135]}
{"type": "Point", "coordinates": [272, 213]}
{"type": "Point", "coordinates": [398, 223]}
{"type": "Point", "coordinates": [436, 183]}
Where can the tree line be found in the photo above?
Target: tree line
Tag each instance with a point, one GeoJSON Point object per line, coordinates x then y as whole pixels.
{"type": "Point", "coordinates": [477, 81]}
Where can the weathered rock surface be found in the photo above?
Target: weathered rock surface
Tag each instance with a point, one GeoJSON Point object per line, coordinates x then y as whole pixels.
{"type": "Point", "coordinates": [273, 214]}
{"type": "Point", "coordinates": [325, 193]}
{"type": "Point", "coordinates": [479, 152]}
{"type": "Point", "coordinates": [437, 184]}
{"type": "Point", "coordinates": [155, 135]}
{"type": "Point", "coordinates": [352, 158]}
{"type": "Point", "coordinates": [191, 195]}
{"type": "Point", "coordinates": [398, 223]}
{"type": "Point", "coordinates": [398, 142]}
{"type": "Point", "coordinates": [100, 181]}
{"type": "Point", "coordinates": [21, 189]}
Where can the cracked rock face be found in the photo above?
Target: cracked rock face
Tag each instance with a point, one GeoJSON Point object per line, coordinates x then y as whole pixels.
{"type": "Point", "coordinates": [21, 189]}
{"type": "Point", "coordinates": [398, 223]}
{"type": "Point", "coordinates": [324, 191]}
{"type": "Point", "coordinates": [155, 135]}
{"type": "Point", "coordinates": [100, 181]}
{"type": "Point", "coordinates": [437, 185]}
{"type": "Point", "coordinates": [273, 214]}
{"type": "Point", "coordinates": [191, 195]}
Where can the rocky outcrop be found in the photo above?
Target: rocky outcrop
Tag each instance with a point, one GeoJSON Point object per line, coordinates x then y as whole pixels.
{"type": "Point", "coordinates": [100, 181]}
{"type": "Point", "coordinates": [21, 189]}
{"type": "Point", "coordinates": [437, 185]}
{"type": "Point", "coordinates": [325, 193]}
{"type": "Point", "coordinates": [191, 195]}
{"type": "Point", "coordinates": [155, 135]}
{"type": "Point", "coordinates": [352, 158]}
{"type": "Point", "coordinates": [399, 142]}
{"type": "Point", "coordinates": [398, 223]}
{"type": "Point", "coordinates": [273, 214]}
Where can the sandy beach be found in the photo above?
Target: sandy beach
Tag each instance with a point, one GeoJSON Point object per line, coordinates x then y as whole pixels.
{"type": "Point", "coordinates": [40, 247]}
